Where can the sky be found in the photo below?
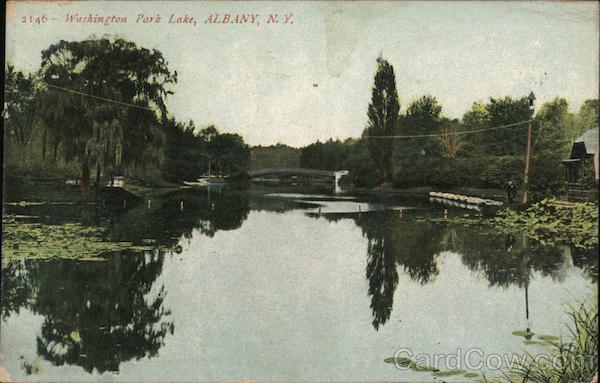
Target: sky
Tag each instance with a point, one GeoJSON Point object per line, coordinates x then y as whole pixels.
{"type": "Point", "coordinates": [311, 78]}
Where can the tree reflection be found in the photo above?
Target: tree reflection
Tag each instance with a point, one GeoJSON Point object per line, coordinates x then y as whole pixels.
{"type": "Point", "coordinates": [98, 315]}
{"type": "Point", "coordinates": [587, 259]}
{"type": "Point", "coordinates": [393, 241]}
{"type": "Point", "coordinates": [414, 244]}
{"type": "Point", "coordinates": [179, 213]}
{"type": "Point", "coordinates": [16, 288]}
{"type": "Point", "coordinates": [506, 259]}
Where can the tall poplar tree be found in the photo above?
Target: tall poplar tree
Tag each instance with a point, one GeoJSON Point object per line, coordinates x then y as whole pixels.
{"type": "Point", "coordinates": [383, 118]}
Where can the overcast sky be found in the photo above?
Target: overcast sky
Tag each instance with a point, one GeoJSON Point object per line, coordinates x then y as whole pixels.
{"type": "Point", "coordinates": [311, 79]}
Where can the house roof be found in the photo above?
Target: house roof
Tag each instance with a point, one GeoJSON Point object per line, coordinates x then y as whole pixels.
{"type": "Point", "coordinates": [590, 140]}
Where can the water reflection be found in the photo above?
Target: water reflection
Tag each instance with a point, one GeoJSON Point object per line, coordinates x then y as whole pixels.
{"type": "Point", "coordinates": [166, 221]}
{"type": "Point", "coordinates": [393, 243]}
{"type": "Point", "coordinates": [408, 241]}
{"type": "Point", "coordinates": [97, 315]}
{"type": "Point", "coordinates": [17, 287]}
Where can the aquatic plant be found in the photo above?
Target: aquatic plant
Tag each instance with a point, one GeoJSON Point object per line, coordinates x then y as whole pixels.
{"type": "Point", "coordinates": [34, 240]}
{"type": "Point", "coordinates": [576, 353]}
{"type": "Point", "coordinates": [30, 366]}
{"type": "Point", "coordinates": [548, 222]}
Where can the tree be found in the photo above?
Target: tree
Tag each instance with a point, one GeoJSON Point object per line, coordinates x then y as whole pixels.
{"type": "Point", "coordinates": [476, 119]}
{"type": "Point", "coordinates": [586, 119]}
{"type": "Point", "coordinates": [497, 112]}
{"type": "Point", "coordinates": [126, 130]}
{"type": "Point", "coordinates": [229, 154]}
{"type": "Point", "coordinates": [185, 152]}
{"type": "Point", "coordinates": [20, 99]}
{"type": "Point", "coordinates": [550, 146]}
{"type": "Point", "coordinates": [330, 155]}
{"type": "Point", "coordinates": [383, 118]}
{"type": "Point", "coordinates": [423, 115]}
{"type": "Point", "coordinates": [505, 111]}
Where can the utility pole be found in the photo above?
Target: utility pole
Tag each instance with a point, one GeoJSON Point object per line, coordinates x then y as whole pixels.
{"type": "Point", "coordinates": [531, 98]}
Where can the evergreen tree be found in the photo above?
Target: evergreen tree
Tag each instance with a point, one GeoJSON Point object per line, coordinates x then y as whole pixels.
{"type": "Point", "coordinates": [383, 118]}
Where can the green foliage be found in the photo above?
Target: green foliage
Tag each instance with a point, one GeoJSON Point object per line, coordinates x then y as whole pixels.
{"type": "Point", "coordinates": [185, 152]}
{"type": "Point", "coordinates": [446, 172]}
{"type": "Point", "coordinates": [546, 222]}
{"type": "Point", "coordinates": [20, 99]}
{"type": "Point", "coordinates": [423, 116]}
{"type": "Point", "coordinates": [523, 333]}
{"type": "Point", "coordinates": [577, 352]}
{"type": "Point", "coordinates": [585, 119]}
{"type": "Point", "coordinates": [265, 157]}
{"type": "Point", "coordinates": [228, 154]}
{"type": "Point", "coordinates": [551, 145]}
{"type": "Point", "coordinates": [422, 113]}
{"type": "Point", "coordinates": [504, 111]}
{"type": "Point", "coordinates": [445, 373]}
{"type": "Point", "coordinates": [31, 367]}
{"type": "Point", "coordinates": [329, 155]}
{"type": "Point", "coordinates": [189, 152]}
{"type": "Point", "coordinates": [383, 118]}
{"type": "Point", "coordinates": [89, 130]}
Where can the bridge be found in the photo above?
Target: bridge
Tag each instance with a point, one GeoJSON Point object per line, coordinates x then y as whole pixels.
{"type": "Point", "coordinates": [333, 175]}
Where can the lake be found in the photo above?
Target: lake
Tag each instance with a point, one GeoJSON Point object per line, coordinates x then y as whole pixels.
{"type": "Point", "coordinates": [282, 286]}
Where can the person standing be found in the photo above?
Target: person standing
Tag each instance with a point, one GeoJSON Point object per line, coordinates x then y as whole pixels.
{"type": "Point", "coordinates": [511, 191]}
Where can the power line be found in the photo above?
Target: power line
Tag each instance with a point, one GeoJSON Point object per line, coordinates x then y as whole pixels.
{"type": "Point", "coordinates": [99, 98]}
{"type": "Point", "coordinates": [372, 137]}
{"type": "Point", "coordinates": [451, 133]}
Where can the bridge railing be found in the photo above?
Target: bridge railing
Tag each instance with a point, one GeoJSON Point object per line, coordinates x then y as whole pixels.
{"type": "Point", "coordinates": [292, 171]}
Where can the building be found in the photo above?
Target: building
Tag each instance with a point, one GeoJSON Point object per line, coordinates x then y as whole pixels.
{"type": "Point", "coordinates": [583, 153]}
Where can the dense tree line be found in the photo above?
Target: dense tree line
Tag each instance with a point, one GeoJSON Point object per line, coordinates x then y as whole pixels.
{"type": "Point", "coordinates": [100, 105]}
{"type": "Point", "coordinates": [280, 155]}
{"type": "Point", "coordinates": [426, 151]}
{"type": "Point", "coordinates": [51, 131]}
{"type": "Point", "coordinates": [192, 152]}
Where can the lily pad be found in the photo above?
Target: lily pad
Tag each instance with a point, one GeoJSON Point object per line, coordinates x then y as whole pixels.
{"type": "Point", "coordinates": [418, 367]}
{"type": "Point", "coordinates": [400, 361]}
{"type": "Point", "coordinates": [523, 333]}
{"type": "Point", "coordinates": [449, 372]}
{"type": "Point", "coordinates": [549, 338]}
{"type": "Point", "coordinates": [534, 342]}
{"type": "Point", "coordinates": [27, 240]}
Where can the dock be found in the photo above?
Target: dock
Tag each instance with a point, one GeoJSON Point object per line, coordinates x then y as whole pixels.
{"type": "Point", "coordinates": [468, 200]}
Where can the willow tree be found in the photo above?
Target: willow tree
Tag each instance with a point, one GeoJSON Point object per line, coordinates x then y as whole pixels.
{"type": "Point", "coordinates": [383, 118]}
{"type": "Point", "coordinates": [104, 103]}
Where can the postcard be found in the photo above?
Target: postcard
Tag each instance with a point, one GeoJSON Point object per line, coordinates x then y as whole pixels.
{"type": "Point", "coordinates": [300, 191]}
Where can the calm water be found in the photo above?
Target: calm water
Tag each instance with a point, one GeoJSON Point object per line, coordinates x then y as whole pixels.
{"type": "Point", "coordinates": [279, 287]}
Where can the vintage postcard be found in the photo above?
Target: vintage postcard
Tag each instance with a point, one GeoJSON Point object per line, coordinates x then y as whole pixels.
{"type": "Point", "coordinates": [300, 191]}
